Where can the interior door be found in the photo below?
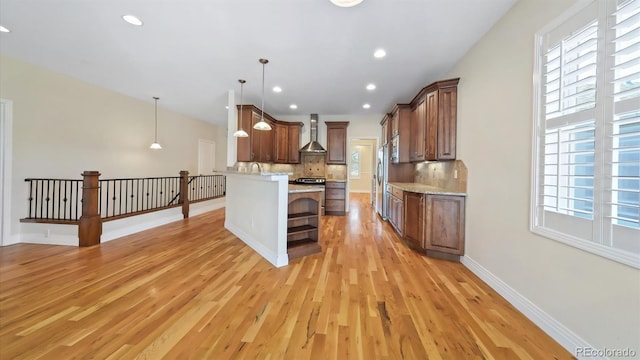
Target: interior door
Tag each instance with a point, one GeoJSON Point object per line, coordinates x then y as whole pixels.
{"type": "Point", "coordinates": [206, 157]}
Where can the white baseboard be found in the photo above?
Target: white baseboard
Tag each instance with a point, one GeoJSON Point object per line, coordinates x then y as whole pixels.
{"type": "Point", "coordinates": [266, 253]}
{"type": "Point", "coordinates": [56, 234]}
{"type": "Point", "coordinates": [560, 333]}
{"type": "Point", "coordinates": [118, 228]}
{"type": "Point", "coordinates": [54, 239]}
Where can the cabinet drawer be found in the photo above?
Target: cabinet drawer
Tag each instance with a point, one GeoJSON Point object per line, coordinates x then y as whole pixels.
{"type": "Point", "coordinates": [396, 192]}
{"type": "Point", "coordinates": [337, 194]}
{"type": "Point", "coordinates": [335, 185]}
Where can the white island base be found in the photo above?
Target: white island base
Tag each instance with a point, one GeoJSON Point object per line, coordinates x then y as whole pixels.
{"type": "Point", "coordinates": [277, 220]}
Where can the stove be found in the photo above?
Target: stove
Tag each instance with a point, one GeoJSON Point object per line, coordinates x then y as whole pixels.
{"type": "Point", "coordinates": [310, 181]}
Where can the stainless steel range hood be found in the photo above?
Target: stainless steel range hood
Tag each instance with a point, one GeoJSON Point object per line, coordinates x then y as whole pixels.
{"type": "Point", "coordinates": [313, 146]}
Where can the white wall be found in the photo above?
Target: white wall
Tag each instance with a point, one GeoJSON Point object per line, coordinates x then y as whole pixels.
{"type": "Point", "coordinates": [63, 126]}
{"type": "Point", "coordinates": [595, 298]}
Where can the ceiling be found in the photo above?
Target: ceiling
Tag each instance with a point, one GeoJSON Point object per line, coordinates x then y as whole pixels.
{"type": "Point", "coordinates": [190, 53]}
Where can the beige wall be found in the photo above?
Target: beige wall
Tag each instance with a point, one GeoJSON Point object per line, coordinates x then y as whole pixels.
{"type": "Point", "coordinates": [63, 126]}
{"type": "Point", "coordinates": [597, 299]}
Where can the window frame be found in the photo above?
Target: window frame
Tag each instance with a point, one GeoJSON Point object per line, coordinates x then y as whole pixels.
{"type": "Point", "coordinates": [601, 245]}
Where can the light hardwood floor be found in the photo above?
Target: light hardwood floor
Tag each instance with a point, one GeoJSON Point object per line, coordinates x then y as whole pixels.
{"type": "Point", "coordinates": [191, 290]}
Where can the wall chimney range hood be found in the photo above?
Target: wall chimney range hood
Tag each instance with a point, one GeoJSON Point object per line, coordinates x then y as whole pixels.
{"type": "Point", "coordinates": [313, 146]}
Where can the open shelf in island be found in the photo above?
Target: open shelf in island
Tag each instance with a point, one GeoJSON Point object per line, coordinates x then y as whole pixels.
{"type": "Point", "coordinates": [303, 224]}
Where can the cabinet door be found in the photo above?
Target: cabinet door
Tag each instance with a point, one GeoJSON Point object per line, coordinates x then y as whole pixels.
{"type": "Point", "coordinates": [294, 143]}
{"type": "Point", "coordinates": [414, 219]}
{"type": "Point", "coordinates": [244, 144]}
{"type": "Point", "coordinates": [431, 126]}
{"type": "Point", "coordinates": [281, 143]}
{"type": "Point", "coordinates": [336, 143]}
{"type": "Point", "coordinates": [385, 129]}
{"type": "Point", "coordinates": [267, 143]}
{"type": "Point", "coordinates": [417, 136]}
{"type": "Point", "coordinates": [445, 224]}
{"type": "Point", "coordinates": [447, 123]}
{"type": "Point", "coordinates": [255, 136]}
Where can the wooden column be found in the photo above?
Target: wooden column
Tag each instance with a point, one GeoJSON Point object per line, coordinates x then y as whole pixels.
{"type": "Point", "coordinates": [90, 226]}
{"type": "Point", "coordinates": [184, 193]}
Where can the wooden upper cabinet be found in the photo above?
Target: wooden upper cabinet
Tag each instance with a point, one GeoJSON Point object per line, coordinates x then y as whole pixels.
{"type": "Point", "coordinates": [294, 142]}
{"type": "Point", "coordinates": [281, 143]}
{"type": "Point", "coordinates": [260, 146]}
{"type": "Point", "coordinates": [262, 141]}
{"type": "Point", "coordinates": [245, 144]}
{"type": "Point", "coordinates": [336, 142]}
{"type": "Point", "coordinates": [447, 122]}
{"type": "Point", "coordinates": [434, 122]}
{"type": "Point", "coordinates": [385, 123]}
{"type": "Point", "coordinates": [401, 133]}
{"type": "Point", "coordinates": [417, 126]}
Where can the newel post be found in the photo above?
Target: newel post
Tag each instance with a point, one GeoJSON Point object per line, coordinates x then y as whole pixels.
{"type": "Point", "coordinates": [90, 226]}
{"type": "Point", "coordinates": [184, 193]}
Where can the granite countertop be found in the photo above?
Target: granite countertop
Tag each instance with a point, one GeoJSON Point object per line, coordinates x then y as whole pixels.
{"type": "Point", "coordinates": [425, 189]}
{"type": "Point", "coordinates": [294, 188]}
{"type": "Point", "coordinates": [336, 180]}
{"type": "Point", "coordinates": [262, 173]}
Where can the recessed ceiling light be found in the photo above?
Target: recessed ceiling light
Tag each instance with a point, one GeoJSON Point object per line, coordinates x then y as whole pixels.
{"type": "Point", "coordinates": [380, 53]}
{"type": "Point", "coordinates": [366, 106]}
{"type": "Point", "coordinates": [4, 29]}
{"type": "Point", "coordinates": [293, 106]}
{"type": "Point", "coordinates": [346, 3]}
{"type": "Point", "coordinates": [371, 86]}
{"type": "Point", "coordinates": [132, 20]}
{"type": "Point", "coordinates": [226, 107]}
{"type": "Point", "coordinates": [277, 89]}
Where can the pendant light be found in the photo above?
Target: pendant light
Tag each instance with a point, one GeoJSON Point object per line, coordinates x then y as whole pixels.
{"type": "Point", "coordinates": [240, 132]}
{"type": "Point", "coordinates": [262, 125]}
{"type": "Point", "coordinates": [156, 145]}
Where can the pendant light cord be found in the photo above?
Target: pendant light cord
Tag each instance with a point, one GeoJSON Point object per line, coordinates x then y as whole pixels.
{"type": "Point", "coordinates": [262, 111]}
{"type": "Point", "coordinates": [156, 107]}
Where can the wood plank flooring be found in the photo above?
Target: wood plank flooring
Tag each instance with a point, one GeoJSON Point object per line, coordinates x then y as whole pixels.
{"type": "Point", "coordinates": [191, 290]}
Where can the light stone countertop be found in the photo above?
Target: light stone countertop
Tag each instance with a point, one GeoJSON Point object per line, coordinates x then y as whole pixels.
{"type": "Point", "coordinates": [336, 180]}
{"type": "Point", "coordinates": [263, 173]}
{"type": "Point", "coordinates": [294, 188]}
{"type": "Point", "coordinates": [425, 189]}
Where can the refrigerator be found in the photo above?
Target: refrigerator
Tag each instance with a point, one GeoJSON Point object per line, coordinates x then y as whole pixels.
{"type": "Point", "coordinates": [382, 172]}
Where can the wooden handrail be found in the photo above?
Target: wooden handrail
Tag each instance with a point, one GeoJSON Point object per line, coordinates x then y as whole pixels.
{"type": "Point", "coordinates": [60, 201]}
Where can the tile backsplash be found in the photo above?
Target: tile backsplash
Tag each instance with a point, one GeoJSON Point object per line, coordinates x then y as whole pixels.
{"type": "Point", "coordinates": [312, 165]}
{"type": "Point", "coordinates": [450, 175]}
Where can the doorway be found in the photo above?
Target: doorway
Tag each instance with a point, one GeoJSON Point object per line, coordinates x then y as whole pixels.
{"type": "Point", "coordinates": [206, 157]}
{"type": "Point", "coordinates": [5, 169]}
{"type": "Point", "coordinates": [361, 165]}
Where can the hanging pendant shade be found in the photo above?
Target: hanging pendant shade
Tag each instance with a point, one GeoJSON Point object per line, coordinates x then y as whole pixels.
{"type": "Point", "coordinates": [240, 132]}
{"type": "Point", "coordinates": [156, 144]}
{"type": "Point", "coordinates": [262, 125]}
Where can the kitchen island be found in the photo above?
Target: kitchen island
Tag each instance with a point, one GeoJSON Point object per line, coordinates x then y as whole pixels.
{"type": "Point", "coordinates": [257, 207]}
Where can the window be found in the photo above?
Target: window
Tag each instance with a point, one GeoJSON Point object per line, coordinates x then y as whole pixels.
{"type": "Point", "coordinates": [586, 185]}
{"type": "Point", "coordinates": [355, 164]}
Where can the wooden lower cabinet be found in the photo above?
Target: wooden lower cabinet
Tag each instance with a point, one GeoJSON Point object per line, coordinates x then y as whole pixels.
{"type": "Point", "coordinates": [335, 198]}
{"type": "Point", "coordinates": [434, 223]}
{"type": "Point", "coordinates": [444, 230]}
{"type": "Point", "coordinates": [395, 209]}
{"type": "Point", "coordinates": [414, 220]}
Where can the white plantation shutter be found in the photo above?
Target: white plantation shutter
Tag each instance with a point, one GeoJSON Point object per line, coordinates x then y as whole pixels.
{"type": "Point", "coordinates": [586, 187]}
{"type": "Point", "coordinates": [623, 126]}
